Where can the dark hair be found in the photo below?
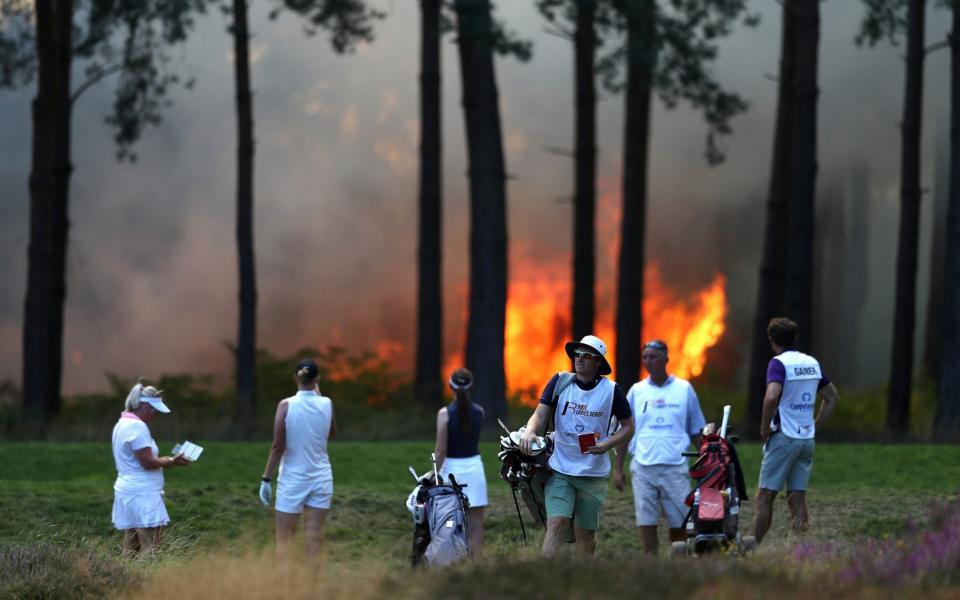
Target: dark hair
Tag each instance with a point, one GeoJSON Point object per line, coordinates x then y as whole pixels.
{"type": "Point", "coordinates": [306, 371]}
{"type": "Point", "coordinates": [464, 378]}
{"type": "Point", "coordinates": [782, 331]}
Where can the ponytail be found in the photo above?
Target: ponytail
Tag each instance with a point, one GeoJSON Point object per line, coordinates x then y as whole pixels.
{"type": "Point", "coordinates": [138, 391]}
{"type": "Point", "coordinates": [460, 382]}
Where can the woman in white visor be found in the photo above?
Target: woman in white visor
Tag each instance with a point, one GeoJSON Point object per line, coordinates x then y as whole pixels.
{"type": "Point", "coordinates": [138, 508]}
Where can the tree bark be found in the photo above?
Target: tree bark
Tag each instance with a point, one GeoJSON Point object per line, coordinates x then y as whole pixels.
{"type": "Point", "coordinates": [804, 172]}
{"type": "Point", "coordinates": [946, 425]}
{"type": "Point", "coordinates": [584, 216]}
{"type": "Point", "coordinates": [247, 325]}
{"type": "Point", "coordinates": [772, 287]}
{"type": "Point", "coordinates": [938, 242]}
{"type": "Point", "coordinates": [488, 218]}
{"type": "Point", "coordinates": [641, 61]}
{"type": "Point", "coordinates": [429, 258]}
{"type": "Point", "coordinates": [904, 315]}
{"type": "Point", "coordinates": [49, 186]}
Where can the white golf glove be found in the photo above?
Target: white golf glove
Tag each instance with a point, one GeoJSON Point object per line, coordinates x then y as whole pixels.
{"type": "Point", "coordinates": [265, 491]}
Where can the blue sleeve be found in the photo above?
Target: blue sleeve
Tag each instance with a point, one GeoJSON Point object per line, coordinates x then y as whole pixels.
{"type": "Point", "coordinates": [621, 408]}
{"type": "Point", "coordinates": [824, 381]}
{"type": "Point", "coordinates": [776, 372]}
{"type": "Point", "coordinates": [547, 396]}
{"type": "Point", "coordinates": [695, 420]}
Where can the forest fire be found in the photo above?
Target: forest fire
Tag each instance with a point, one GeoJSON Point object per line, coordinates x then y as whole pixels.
{"type": "Point", "coordinates": [538, 324]}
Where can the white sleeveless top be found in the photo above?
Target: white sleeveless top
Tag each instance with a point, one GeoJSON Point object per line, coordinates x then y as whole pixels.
{"type": "Point", "coordinates": [582, 411]}
{"type": "Point", "coordinates": [308, 428]}
{"type": "Point", "coordinates": [799, 394]}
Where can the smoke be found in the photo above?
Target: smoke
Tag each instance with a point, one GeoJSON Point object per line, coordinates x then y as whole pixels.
{"type": "Point", "coordinates": [152, 267]}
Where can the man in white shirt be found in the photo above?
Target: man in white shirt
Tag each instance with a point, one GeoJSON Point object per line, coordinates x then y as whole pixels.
{"type": "Point", "coordinates": [666, 413]}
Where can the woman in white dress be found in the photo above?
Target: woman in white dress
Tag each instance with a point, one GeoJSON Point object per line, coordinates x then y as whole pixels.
{"type": "Point", "coordinates": [138, 508]}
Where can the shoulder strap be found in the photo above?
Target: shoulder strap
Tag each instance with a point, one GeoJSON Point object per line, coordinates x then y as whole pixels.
{"type": "Point", "coordinates": [564, 379]}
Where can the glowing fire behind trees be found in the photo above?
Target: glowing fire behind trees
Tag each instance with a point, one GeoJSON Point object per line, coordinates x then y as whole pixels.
{"type": "Point", "coordinates": [538, 324]}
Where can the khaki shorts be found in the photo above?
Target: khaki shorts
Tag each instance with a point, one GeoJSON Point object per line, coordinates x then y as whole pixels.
{"type": "Point", "coordinates": [786, 460]}
{"type": "Point", "coordinates": [580, 498]}
{"type": "Point", "coordinates": [659, 488]}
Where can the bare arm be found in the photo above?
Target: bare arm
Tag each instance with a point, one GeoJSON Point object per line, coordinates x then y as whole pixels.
{"type": "Point", "coordinates": [150, 462]}
{"type": "Point", "coordinates": [333, 423]}
{"type": "Point", "coordinates": [279, 441]}
{"type": "Point", "coordinates": [830, 398]}
{"type": "Point", "coordinates": [440, 448]}
{"type": "Point", "coordinates": [770, 402]}
{"type": "Point", "coordinates": [536, 422]}
{"type": "Point", "coordinates": [620, 438]}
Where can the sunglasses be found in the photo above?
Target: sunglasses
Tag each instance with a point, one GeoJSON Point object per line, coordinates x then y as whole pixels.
{"type": "Point", "coordinates": [585, 355]}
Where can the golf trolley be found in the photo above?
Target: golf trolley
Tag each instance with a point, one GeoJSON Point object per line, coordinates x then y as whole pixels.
{"type": "Point", "coordinates": [441, 532]}
{"type": "Point", "coordinates": [712, 524]}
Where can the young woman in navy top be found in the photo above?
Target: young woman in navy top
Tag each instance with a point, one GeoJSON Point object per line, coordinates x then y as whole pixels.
{"type": "Point", "coordinates": [458, 436]}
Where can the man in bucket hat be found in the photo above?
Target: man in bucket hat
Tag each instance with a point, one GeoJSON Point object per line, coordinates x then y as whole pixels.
{"type": "Point", "coordinates": [667, 415]}
{"type": "Point", "coordinates": [582, 407]}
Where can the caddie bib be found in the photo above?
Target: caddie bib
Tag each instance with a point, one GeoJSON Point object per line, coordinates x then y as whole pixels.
{"type": "Point", "coordinates": [799, 396]}
{"type": "Point", "coordinates": [577, 412]}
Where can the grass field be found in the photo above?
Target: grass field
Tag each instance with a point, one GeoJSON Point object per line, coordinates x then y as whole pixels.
{"type": "Point", "coordinates": [57, 497]}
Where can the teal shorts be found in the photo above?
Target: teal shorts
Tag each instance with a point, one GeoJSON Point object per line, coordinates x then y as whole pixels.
{"type": "Point", "coordinates": [786, 460]}
{"type": "Point", "coordinates": [580, 498]}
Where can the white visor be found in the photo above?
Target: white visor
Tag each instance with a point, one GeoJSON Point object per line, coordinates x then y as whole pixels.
{"type": "Point", "coordinates": [156, 402]}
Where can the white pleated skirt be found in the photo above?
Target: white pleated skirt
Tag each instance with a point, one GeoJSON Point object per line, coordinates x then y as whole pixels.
{"type": "Point", "coordinates": [468, 471]}
{"type": "Point", "coordinates": [139, 511]}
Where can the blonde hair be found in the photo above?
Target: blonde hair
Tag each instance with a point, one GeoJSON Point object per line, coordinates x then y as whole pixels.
{"type": "Point", "coordinates": [138, 391]}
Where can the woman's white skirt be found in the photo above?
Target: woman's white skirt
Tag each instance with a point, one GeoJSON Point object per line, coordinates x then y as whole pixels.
{"type": "Point", "coordinates": [139, 511]}
{"type": "Point", "coordinates": [468, 471]}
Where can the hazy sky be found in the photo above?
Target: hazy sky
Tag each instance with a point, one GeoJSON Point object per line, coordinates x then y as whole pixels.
{"type": "Point", "coordinates": [152, 267]}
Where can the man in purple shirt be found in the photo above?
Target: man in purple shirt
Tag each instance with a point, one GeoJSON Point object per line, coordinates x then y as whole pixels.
{"type": "Point", "coordinates": [788, 426]}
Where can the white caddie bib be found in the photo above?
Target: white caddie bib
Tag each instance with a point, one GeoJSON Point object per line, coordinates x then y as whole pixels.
{"type": "Point", "coordinates": [582, 411]}
{"type": "Point", "coordinates": [799, 396]}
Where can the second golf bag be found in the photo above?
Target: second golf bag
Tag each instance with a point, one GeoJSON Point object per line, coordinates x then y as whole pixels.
{"type": "Point", "coordinates": [713, 520]}
{"type": "Point", "coordinates": [441, 532]}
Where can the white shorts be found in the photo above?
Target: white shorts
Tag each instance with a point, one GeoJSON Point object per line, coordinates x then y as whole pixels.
{"type": "Point", "coordinates": [139, 511]}
{"type": "Point", "coordinates": [468, 471]}
{"type": "Point", "coordinates": [292, 496]}
{"type": "Point", "coordinates": [657, 487]}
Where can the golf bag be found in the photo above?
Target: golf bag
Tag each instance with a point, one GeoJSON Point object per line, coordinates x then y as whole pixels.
{"type": "Point", "coordinates": [441, 532]}
{"type": "Point", "coordinates": [713, 520]}
{"type": "Point", "coordinates": [527, 475]}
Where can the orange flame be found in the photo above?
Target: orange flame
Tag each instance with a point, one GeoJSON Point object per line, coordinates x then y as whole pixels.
{"type": "Point", "coordinates": [538, 325]}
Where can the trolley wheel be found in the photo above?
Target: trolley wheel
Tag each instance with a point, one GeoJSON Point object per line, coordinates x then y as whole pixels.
{"type": "Point", "coordinates": [678, 549]}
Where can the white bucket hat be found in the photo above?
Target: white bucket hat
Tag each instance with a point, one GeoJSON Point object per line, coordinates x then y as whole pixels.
{"type": "Point", "coordinates": [595, 345]}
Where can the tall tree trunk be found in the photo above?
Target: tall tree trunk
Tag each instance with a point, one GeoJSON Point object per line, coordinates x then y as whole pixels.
{"type": "Point", "coordinates": [584, 214]}
{"type": "Point", "coordinates": [772, 287]}
{"type": "Point", "coordinates": [938, 243]}
{"type": "Point", "coordinates": [49, 186]}
{"type": "Point", "coordinates": [804, 171]}
{"type": "Point", "coordinates": [641, 60]}
{"type": "Point", "coordinates": [488, 216]}
{"type": "Point", "coordinates": [430, 288]}
{"type": "Point", "coordinates": [904, 316]}
{"type": "Point", "coordinates": [946, 425]}
{"type": "Point", "coordinates": [247, 327]}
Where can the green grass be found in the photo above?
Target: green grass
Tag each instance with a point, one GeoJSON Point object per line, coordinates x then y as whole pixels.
{"type": "Point", "coordinates": [61, 494]}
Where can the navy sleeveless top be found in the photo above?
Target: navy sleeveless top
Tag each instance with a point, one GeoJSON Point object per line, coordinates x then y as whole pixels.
{"type": "Point", "coordinates": [462, 444]}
